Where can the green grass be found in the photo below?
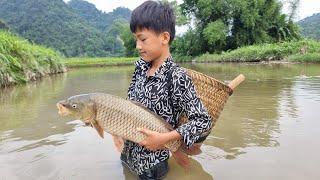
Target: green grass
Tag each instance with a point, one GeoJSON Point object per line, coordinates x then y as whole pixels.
{"type": "Point", "coordinates": [21, 61]}
{"type": "Point", "coordinates": [104, 61]}
{"type": "Point", "coordinates": [263, 52]}
{"type": "Point", "coordinates": [254, 53]}
{"type": "Point", "coordinates": [309, 57]}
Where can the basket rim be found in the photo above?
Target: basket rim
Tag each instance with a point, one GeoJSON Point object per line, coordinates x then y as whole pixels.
{"type": "Point", "coordinates": [229, 89]}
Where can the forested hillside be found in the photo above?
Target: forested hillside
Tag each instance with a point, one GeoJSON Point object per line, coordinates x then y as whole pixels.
{"type": "Point", "coordinates": [96, 17]}
{"type": "Point", "coordinates": [63, 26]}
{"type": "Point", "coordinates": [310, 27]}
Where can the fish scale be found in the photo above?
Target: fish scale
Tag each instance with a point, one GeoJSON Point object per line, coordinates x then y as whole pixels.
{"type": "Point", "coordinates": [122, 117]}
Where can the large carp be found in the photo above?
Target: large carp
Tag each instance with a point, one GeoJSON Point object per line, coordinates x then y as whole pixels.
{"type": "Point", "coordinates": [119, 117]}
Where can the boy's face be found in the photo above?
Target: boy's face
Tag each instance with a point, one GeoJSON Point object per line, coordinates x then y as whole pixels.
{"type": "Point", "coordinates": [150, 44]}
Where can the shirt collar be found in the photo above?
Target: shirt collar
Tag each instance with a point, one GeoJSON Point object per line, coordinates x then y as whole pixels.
{"type": "Point", "coordinates": [144, 66]}
{"type": "Point", "coordinates": [164, 67]}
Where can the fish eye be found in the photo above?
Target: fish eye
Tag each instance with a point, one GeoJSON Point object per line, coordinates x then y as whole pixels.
{"type": "Point", "coordinates": [74, 105]}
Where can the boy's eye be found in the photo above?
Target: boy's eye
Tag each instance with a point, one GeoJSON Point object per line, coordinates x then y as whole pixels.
{"type": "Point", "coordinates": [143, 39]}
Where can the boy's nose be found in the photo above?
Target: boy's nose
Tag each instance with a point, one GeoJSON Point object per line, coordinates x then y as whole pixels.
{"type": "Point", "coordinates": [138, 46]}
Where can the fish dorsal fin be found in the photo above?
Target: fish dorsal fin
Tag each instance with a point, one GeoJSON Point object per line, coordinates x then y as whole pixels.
{"type": "Point", "coordinates": [167, 125]}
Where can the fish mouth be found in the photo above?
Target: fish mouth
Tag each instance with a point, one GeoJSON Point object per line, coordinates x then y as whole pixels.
{"type": "Point", "coordinates": [62, 110]}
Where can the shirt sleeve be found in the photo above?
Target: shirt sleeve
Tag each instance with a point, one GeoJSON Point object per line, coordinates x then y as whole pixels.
{"type": "Point", "coordinates": [199, 119]}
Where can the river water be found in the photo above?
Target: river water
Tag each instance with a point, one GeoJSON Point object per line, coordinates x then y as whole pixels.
{"type": "Point", "coordinates": [269, 128]}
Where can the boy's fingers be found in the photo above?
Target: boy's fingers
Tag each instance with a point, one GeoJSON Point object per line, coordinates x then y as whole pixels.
{"type": "Point", "coordinates": [144, 131]}
{"type": "Point", "coordinates": [142, 143]}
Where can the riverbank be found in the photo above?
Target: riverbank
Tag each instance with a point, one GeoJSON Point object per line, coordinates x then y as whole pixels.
{"type": "Point", "coordinates": [102, 61]}
{"type": "Point", "coordinates": [21, 61]}
{"type": "Point", "coordinates": [309, 57]}
{"type": "Point", "coordinates": [298, 51]}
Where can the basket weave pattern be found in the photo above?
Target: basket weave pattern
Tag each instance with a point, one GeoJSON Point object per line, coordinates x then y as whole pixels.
{"type": "Point", "coordinates": [213, 94]}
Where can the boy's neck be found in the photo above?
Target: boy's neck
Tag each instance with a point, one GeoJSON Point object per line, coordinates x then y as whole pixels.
{"type": "Point", "coordinates": [155, 64]}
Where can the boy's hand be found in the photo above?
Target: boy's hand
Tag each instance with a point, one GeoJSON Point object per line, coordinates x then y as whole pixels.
{"type": "Point", "coordinates": [154, 140]}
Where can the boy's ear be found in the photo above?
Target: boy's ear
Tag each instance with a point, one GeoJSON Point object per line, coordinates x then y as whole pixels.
{"type": "Point", "coordinates": [165, 37]}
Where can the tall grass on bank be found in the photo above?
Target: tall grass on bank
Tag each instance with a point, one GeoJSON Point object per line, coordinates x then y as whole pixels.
{"type": "Point", "coordinates": [263, 52]}
{"type": "Point", "coordinates": [101, 61]}
{"type": "Point", "coordinates": [21, 61]}
{"type": "Point", "coordinates": [309, 57]}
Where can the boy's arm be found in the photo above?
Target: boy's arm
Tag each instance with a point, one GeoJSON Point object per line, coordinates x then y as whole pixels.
{"type": "Point", "coordinates": [199, 119]}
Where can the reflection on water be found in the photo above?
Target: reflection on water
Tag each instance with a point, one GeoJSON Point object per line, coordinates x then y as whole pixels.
{"type": "Point", "coordinates": [250, 118]}
{"type": "Point", "coordinates": [29, 107]}
{"type": "Point", "coordinates": [266, 130]}
{"type": "Point", "coordinates": [196, 171]}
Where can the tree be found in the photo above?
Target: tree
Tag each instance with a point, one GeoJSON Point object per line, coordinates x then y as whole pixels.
{"type": "Point", "coordinates": [228, 24]}
{"type": "Point", "coordinates": [188, 44]}
{"type": "Point", "coordinates": [293, 6]}
{"type": "Point", "coordinates": [128, 41]}
{"type": "Point", "coordinates": [215, 33]}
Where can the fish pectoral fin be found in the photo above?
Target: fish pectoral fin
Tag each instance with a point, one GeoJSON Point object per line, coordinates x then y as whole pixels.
{"type": "Point", "coordinates": [98, 128]}
{"type": "Point", "coordinates": [89, 120]}
{"type": "Point", "coordinates": [118, 143]}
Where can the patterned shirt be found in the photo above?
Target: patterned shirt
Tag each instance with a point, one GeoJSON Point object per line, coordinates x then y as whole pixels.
{"type": "Point", "coordinates": [169, 93]}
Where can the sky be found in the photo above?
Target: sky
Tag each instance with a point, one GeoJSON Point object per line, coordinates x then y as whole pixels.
{"type": "Point", "coordinates": [307, 7]}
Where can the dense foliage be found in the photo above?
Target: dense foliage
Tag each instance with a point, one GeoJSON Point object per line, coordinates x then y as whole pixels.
{"type": "Point", "coordinates": [21, 61]}
{"type": "Point", "coordinates": [65, 27]}
{"type": "Point", "coordinates": [78, 28]}
{"type": "Point", "coordinates": [221, 25]}
{"type": "Point", "coordinates": [265, 52]}
{"type": "Point", "coordinates": [310, 27]}
{"type": "Point", "coordinates": [96, 17]}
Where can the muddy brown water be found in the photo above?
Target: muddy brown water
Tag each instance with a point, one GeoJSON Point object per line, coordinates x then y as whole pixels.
{"type": "Point", "coordinates": [269, 128]}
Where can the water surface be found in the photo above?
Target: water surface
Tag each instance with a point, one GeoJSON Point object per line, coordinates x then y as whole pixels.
{"type": "Point", "coordinates": [269, 128]}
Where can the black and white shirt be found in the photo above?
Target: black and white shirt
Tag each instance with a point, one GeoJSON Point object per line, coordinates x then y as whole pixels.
{"type": "Point", "coordinates": [169, 93]}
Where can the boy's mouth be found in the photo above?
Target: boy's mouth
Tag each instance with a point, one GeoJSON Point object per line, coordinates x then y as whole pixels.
{"type": "Point", "coordinates": [142, 53]}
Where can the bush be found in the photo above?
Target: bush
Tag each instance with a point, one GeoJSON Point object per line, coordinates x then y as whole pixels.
{"type": "Point", "coordinates": [21, 61]}
{"type": "Point", "coordinates": [263, 52]}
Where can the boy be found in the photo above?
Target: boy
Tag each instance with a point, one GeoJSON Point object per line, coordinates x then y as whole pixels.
{"type": "Point", "coordinates": [164, 88]}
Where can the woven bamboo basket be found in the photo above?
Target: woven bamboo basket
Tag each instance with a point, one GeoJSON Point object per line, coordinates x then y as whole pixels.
{"type": "Point", "coordinates": [213, 93]}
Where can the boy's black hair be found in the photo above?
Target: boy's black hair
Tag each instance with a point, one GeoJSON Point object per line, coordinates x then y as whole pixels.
{"type": "Point", "coordinates": [154, 15]}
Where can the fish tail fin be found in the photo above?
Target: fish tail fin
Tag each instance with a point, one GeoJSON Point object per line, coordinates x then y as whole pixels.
{"type": "Point", "coordinates": [193, 150]}
{"type": "Point", "coordinates": [181, 158]}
